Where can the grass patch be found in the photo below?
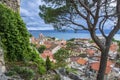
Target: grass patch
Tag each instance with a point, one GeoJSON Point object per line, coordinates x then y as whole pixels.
{"type": "Point", "coordinates": [68, 70]}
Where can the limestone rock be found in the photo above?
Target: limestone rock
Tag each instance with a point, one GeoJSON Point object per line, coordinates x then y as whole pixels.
{"type": "Point", "coordinates": [2, 62]}
{"type": "Point", "coordinates": [3, 77]}
{"type": "Point", "coordinates": [13, 4]}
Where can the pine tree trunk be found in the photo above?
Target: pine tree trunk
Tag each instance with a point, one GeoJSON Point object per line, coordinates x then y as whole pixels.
{"type": "Point", "coordinates": [103, 63]}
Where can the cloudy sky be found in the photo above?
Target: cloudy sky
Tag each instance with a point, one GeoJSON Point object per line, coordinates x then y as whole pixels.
{"type": "Point", "coordinates": [29, 11]}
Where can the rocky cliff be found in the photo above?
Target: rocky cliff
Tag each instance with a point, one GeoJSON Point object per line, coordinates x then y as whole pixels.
{"type": "Point", "coordinates": [14, 4]}
{"type": "Point", "coordinates": [2, 63]}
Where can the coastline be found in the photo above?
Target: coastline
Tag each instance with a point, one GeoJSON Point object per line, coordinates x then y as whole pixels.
{"type": "Point", "coordinates": [66, 35]}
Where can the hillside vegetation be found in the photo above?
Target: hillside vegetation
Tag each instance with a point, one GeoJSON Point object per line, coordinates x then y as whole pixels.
{"type": "Point", "coordinates": [21, 58]}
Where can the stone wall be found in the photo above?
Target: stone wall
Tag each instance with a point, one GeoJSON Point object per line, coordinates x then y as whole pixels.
{"type": "Point", "coordinates": [14, 4]}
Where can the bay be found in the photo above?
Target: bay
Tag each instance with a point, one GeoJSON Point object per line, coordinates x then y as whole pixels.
{"type": "Point", "coordinates": [67, 34]}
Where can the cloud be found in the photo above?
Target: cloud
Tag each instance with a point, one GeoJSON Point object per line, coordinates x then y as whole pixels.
{"type": "Point", "coordinates": [42, 27]}
{"type": "Point", "coordinates": [29, 11]}
{"type": "Point", "coordinates": [32, 5]}
{"type": "Point", "coordinates": [109, 25]}
{"type": "Point", "coordinates": [24, 11]}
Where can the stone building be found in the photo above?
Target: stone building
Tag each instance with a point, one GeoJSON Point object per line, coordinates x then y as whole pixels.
{"type": "Point", "coordinates": [13, 4]}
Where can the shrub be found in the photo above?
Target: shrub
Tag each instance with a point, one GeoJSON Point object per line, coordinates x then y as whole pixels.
{"type": "Point", "coordinates": [71, 39]}
{"type": "Point", "coordinates": [61, 55]}
{"type": "Point", "coordinates": [24, 72]}
{"type": "Point", "coordinates": [14, 35]}
{"type": "Point", "coordinates": [57, 77]}
{"type": "Point", "coordinates": [15, 39]}
{"type": "Point", "coordinates": [34, 54]}
{"type": "Point", "coordinates": [42, 70]}
{"type": "Point", "coordinates": [41, 48]}
{"type": "Point", "coordinates": [10, 73]}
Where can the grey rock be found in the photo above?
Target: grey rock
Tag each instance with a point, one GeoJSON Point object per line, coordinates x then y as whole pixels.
{"type": "Point", "coordinates": [13, 4]}
{"type": "Point", "coordinates": [74, 77]}
{"type": "Point", "coordinates": [62, 71]}
{"type": "Point", "coordinates": [3, 77]}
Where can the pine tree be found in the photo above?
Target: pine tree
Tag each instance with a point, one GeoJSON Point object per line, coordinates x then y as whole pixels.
{"type": "Point", "coordinates": [48, 64]}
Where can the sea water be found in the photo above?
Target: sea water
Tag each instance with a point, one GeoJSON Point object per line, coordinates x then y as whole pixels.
{"type": "Point", "coordinates": [69, 34]}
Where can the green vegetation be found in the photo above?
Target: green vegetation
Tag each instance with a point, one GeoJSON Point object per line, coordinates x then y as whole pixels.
{"type": "Point", "coordinates": [14, 35]}
{"type": "Point", "coordinates": [114, 40]}
{"type": "Point", "coordinates": [62, 16]}
{"type": "Point", "coordinates": [38, 61]}
{"type": "Point", "coordinates": [91, 41]}
{"type": "Point", "coordinates": [118, 61]}
{"type": "Point", "coordinates": [53, 38]}
{"type": "Point", "coordinates": [61, 55]}
{"type": "Point", "coordinates": [71, 39]}
{"type": "Point", "coordinates": [51, 76]}
{"type": "Point", "coordinates": [68, 70]}
{"type": "Point", "coordinates": [30, 35]}
{"type": "Point", "coordinates": [117, 42]}
{"type": "Point", "coordinates": [83, 55]}
{"type": "Point", "coordinates": [34, 45]}
{"type": "Point", "coordinates": [119, 46]}
{"type": "Point", "coordinates": [24, 72]}
{"type": "Point", "coordinates": [48, 64]}
{"type": "Point", "coordinates": [57, 77]}
{"type": "Point", "coordinates": [70, 45]}
{"type": "Point", "coordinates": [42, 70]}
{"type": "Point", "coordinates": [21, 57]}
{"type": "Point", "coordinates": [41, 48]}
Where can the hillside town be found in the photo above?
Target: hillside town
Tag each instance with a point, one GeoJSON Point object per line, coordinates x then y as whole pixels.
{"type": "Point", "coordinates": [84, 59]}
{"type": "Point", "coordinates": [25, 57]}
{"type": "Point", "coordinates": [52, 46]}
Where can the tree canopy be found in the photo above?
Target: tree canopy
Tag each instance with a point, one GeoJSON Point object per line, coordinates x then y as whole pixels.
{"type": "Point", "coordinates": [41, 48]}
{"type": "Point", "coordinates": [61, 55]}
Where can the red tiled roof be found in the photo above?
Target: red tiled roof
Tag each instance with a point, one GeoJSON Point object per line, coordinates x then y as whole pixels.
{"type": "Point", "coordinates": [113, 47]}
{"type": "Point", "coordinates": [109, 63]}
{"type": "Point", "coordinates": [81, 61]}
{"type": "Point", "coordinates": [74, 58]}
{"type": "Point", "coordinates": [90, 52]}
{"type": "Point", "coordinates": [48, 46]}
{"type": "Point", "coordinates": [95, 66]}
{"type": "Point", "coordinates": [47, 53]}
{"type": "Point", "coordinates": [47, 42]}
